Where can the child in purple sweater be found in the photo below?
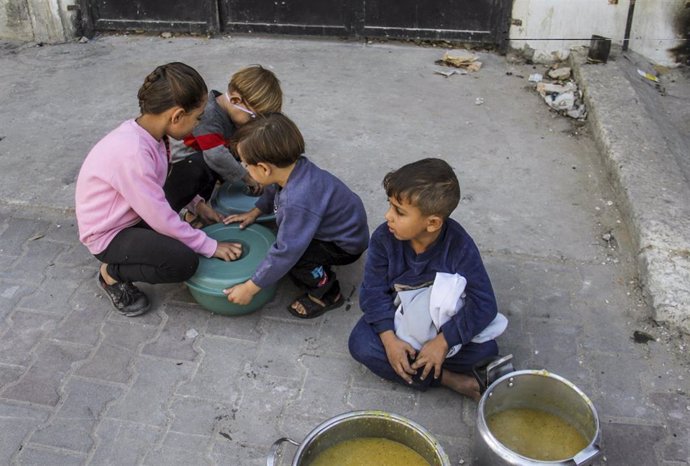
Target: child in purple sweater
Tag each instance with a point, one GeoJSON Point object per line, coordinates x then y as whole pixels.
{"type": "Point", "coordinates": [321, 222]}
{"type": "Point", "coordinates": [419, 240]}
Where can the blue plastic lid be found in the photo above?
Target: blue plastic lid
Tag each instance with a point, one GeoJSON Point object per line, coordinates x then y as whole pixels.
{"type": "Point", "coordinates": [232, 198]}
{"type": "Point", "coordinates": [214, 275]}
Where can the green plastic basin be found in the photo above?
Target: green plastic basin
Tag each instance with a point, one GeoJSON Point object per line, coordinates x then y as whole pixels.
{"type": "Point", "coordinates": [232, 198]}
{"type": "Point", "coordinates": [215, 275]}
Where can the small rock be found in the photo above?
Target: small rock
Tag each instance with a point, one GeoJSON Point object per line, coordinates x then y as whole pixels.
{"type": "Point", "coordinates": [606, 237]}
{"type": "Point", "coordinates": [191, 334]}
{"type": "Point", "coordinates": [478, 101]}
{"type": "Point", "coordinates": [166, 35]}
{"type": "Point", "coordinates": [83, 40]}
{"type": "Point", "coordinates": [642, 337]}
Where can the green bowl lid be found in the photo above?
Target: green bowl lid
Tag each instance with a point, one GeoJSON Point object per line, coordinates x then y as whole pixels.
{"type": "Point", "coordinates": [214, 275]}
{"type": "Point", "coordinates": [232, 198]}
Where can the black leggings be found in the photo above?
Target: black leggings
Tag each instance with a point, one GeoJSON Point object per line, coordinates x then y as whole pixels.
{"type": "Point", "coordinates": [139, 254]}
{"type": "Point", "coordinates": [187, 178]}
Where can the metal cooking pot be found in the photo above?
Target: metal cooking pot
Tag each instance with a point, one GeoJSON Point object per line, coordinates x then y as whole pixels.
{"type": "Point", "coordinates": [357, 424]}
{"type": "Point", "coordinates": [536, 389]}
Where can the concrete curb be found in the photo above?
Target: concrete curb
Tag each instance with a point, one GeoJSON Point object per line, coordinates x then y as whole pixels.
{"type": "Point", "coordinates": [653, 194]}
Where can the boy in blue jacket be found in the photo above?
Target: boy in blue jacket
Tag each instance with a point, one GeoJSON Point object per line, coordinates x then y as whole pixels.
{"type": "Point", "coordinates": [321, 222]}
{"type": "Point", "coordinates": [418, 240]}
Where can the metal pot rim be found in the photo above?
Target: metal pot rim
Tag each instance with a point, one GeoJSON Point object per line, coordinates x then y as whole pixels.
{"type": "Point", "coordinates": [484, 431]}
{"type": "Point", "coordinates": [370, 414]}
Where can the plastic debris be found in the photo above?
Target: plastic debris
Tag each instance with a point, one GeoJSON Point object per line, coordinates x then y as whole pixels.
{"type": "Point", "coordinates": [191, 334]}
{"type": "Point", "coordinates": [478, 101]}
{"type": "Point", "coordinates": [564, 97]}
{"type": "Point", "coordinates": [648, 76]}
{"type": "Point", "coordinates": [559, 73]}
{"type": "Point", "coordinates": [449, 72]}
{"type": "Point", "coordinates": [460, 59]}
{"type": "Point", "coordinates": [535, 78]}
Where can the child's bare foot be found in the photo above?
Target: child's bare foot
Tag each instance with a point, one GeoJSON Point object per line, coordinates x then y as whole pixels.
{"type": "Point", "coordinates": [461, 383]}
{"type": "Point", "coordinates": [106, 277]}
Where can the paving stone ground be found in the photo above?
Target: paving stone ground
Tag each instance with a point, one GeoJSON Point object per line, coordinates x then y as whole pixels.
{"type": "Point", "coordinates": [80, 384]}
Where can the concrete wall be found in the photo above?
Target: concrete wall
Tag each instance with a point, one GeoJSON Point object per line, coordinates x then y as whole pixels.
{"type": "Point", "coordinates": [552, 27]}
{"type": "Point", "coordinates": [37, 20]}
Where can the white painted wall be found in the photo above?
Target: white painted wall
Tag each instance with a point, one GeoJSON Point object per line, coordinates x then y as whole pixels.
{"type": "Point", "coordinates": [36, 20]}
{"type": "Point", "coordinates": [553, 27]}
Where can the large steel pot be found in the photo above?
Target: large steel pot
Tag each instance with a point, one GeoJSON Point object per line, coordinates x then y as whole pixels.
{"type": "Point", "coordinates": [535, 389]}
{"type": "Point", "coordinates": [357, 424]}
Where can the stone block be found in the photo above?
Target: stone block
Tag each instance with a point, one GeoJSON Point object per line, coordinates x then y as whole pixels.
{"type": "Point", "coordinates": [35, 455]}
{"type": "Point", "coordinates": [52, 297]}
{"type": "Point", "coordinates": [226, 452]}
{"type": "Point", "coordinates": [321, 398]}
{"type": "Point", "coordinates": [292, 338]}
{"type": "Point", "coordinates": [71, 427]}
{"type": "Point", "coordinates": [18, 232]}
{"type": "Point", "coordinates": [123, 442]}
{"type": "Point", "coordinates": [174, 341]}
{"type": "Point", "coordinates": [223, 363]}
{"type": "Point", "coordinates": [117, 352]}
{"type": "Point", "coordinates": [395, 399]}
{"type": "Point", "coordinates": [16, 422]}
{"type": "Point", "coordinates": [23, 333]}
{"type": "Point", "coordinates": [246, 327]}
{"type": "Point", "coordinates": [148, 398]}
{"type": "Point", "coordinates": [42, 383]}
{"type": "Point", "coordinates": [630, 443]}
{"type": "Point", "coordinates": [259, 410]}
{"type": "Point", "coordinates": [334, 369]}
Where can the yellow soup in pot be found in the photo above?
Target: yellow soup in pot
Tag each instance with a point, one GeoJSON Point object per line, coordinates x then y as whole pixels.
{"type": "Point", "coordinates": [369, 451]}
{"type": "Point", "coordinates": [536, 434]}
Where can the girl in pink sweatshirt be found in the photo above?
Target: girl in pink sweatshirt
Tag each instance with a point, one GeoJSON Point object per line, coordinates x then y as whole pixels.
{"type": "Point", "coordinates": [123, 217]}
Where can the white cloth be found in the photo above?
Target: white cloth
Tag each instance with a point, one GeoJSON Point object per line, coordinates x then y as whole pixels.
{"type": "Point", "coordinates": [422, 312]}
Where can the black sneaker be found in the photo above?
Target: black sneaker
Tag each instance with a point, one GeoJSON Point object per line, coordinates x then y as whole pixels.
{"type": "Point", "coordinates": [126, 298]}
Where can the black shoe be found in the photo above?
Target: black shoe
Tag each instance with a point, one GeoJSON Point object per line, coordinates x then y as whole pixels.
{"type": "Point", "coordinates": [126, 298]}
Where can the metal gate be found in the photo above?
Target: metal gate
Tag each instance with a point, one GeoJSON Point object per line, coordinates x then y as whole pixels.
{"type": "Point", "coordinates": [482, 21]}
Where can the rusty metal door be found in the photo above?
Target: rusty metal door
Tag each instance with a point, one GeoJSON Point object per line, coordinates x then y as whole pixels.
{"type": "Point", "coordinates": [482, 21]}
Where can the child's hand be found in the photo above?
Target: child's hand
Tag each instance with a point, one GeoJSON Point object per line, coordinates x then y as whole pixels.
{"type": "Point", "coordinates": [228, 251]}
{"type": "Point", "coordinates": [242, 293]}
{"type": "Point", "coordinates": [207, 214]}
{"type": "Point", "coordinates": [431, 356]}
{"type": "Point", "coordinates": [255, 188]}
{"type": "Point", "coordinates": [399, 353]}
{"type": "Point", "coordinates": [245, 219]}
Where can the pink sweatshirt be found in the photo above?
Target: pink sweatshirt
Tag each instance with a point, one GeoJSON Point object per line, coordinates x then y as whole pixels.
{"type": "Point", "coordinates": [120, 183]}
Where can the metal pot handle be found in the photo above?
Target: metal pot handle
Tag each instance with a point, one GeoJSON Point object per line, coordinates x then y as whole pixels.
{"type": "Point", "coordinates": [491, 368]}
{"type": "Point", "coordinates": [271, 458]}
{"type": "Point", "coordinates": [586, 456]}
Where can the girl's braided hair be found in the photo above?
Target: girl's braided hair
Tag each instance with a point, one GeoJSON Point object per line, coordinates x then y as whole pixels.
{"type": "Point", "coordinates": [171, 85]}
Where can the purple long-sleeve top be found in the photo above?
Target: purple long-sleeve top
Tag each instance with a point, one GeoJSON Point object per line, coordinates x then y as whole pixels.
{"type": "Point", "coordinates": [392, 263]}
{"type": "Point", "coordinates": [313, 204]}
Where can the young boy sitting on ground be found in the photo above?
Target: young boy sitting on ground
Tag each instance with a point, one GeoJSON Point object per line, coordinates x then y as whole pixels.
{"type": "Point", "coordinates": [420, 245]}
{"type": "Point", "coordinates": [321, 222]}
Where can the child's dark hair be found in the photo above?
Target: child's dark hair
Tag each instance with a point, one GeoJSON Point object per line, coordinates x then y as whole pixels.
{"type": "Point", "coordinates": [171, 85]}
{"type": "Point", "coordinates": [273, 139]}
{"type": "Point", "coordinates": [429, 184]}
{"type": "Point", "coordinates": [259, 88]}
